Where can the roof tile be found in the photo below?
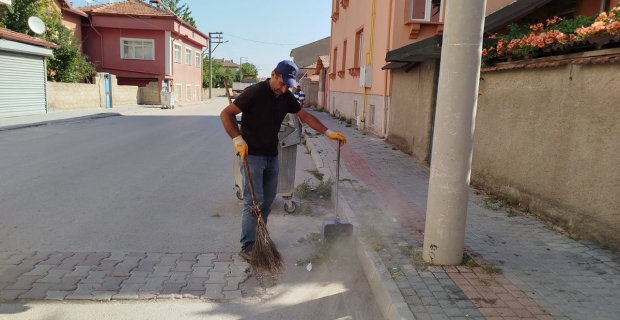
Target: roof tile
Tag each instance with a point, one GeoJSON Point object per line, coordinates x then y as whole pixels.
{"type": "Point", "coordinates": [24, 38]}
{"type": "Point", "coordinates": [130, 7]}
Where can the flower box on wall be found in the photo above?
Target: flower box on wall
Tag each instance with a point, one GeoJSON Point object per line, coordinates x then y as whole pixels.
{"type": "Point", "coordinates": [355, 72]}
{"type": "Point", "coordinates": [335, 16]}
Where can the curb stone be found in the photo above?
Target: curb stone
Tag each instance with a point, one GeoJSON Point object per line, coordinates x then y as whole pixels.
{"type": "Point", "coordinates": [386, 292]}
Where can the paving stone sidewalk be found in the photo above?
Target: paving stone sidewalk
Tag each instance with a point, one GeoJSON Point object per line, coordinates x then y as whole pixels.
{"type": "Point", "coordinates": [120, 276]}
{"type": "Point", "coordinates": [521, 268]}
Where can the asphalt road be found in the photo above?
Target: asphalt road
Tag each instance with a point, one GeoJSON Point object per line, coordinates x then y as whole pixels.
{"type": "Point", "coordinates": [159, 181]}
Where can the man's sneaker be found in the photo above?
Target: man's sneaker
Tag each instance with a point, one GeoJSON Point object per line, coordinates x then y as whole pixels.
{"type": "Point", "coordinates": [246, 253]}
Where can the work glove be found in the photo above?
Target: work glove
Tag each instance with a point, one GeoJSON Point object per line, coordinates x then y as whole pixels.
{"type": "Point", "coordinates": [241, 147]}
{"type": "Point", "coordinates": [336, 136]}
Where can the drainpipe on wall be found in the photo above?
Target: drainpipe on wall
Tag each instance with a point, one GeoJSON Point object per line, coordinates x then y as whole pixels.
{"type": "Point", "coordinates": [387, 73]}
{"type": "Point", "coordinates": [369, 57]}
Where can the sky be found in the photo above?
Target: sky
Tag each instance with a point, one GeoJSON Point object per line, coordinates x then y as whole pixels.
{"type": "Point", "coordinates": [263, 31]}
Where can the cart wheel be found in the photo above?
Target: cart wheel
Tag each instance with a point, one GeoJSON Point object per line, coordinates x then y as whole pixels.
{"type": "Point", "coordinates": [290, 209]}
{"type": "Point", "coordinates": [239, 195]}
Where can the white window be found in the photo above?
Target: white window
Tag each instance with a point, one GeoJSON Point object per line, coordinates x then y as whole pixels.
{"type": "Point", "coordinates": [197, 92]}
{"type": "Point", "coordinates": [188, 56]}
{"type": "Point", "coordinates": [188, 92]}
{"type": "Point", "coordinates": [197, 59]}
{"type": "Point", "coordinates": [359, 57]}
{"type": "Point", "coordinates": [177, 91]}
{"type": "Point", "coordinates": [177, 53]}
{"type": "Point", "coordinates": [425, 10]}
{"type": "Point", "coordinates": [139, 49]}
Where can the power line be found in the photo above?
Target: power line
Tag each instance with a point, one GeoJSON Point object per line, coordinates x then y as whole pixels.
{"type": "Point", "coordinates": [280, 44]}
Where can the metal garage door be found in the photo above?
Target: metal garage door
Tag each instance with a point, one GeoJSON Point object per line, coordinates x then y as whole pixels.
{"type": "Point", "coordinates": [22, 84]}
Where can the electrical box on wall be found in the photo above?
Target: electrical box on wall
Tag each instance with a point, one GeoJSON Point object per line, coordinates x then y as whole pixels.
{"type": "Point", "coordinates": [362, 76]}
{"type": "Point", "coordinates": [366, 76]}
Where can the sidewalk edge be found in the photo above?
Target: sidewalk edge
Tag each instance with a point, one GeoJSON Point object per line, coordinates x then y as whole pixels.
{"type": "Point", "coordinates": [58, 121]}
{"type": "Point", "coordinates": [389, 298]}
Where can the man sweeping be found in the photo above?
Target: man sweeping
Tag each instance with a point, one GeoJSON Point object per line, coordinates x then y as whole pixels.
{"type": "Point", "coordinates": [264, 106]}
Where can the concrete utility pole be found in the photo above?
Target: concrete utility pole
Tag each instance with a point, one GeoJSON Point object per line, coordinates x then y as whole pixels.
{"type": "Point", "coordinates": [459, 76]}
{"type": "Point", "coordinates": [218, 37]}
{"type": "Point", "coordinates": [240, 67]}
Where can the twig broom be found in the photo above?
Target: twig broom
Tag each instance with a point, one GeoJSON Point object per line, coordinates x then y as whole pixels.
{"type": "Point", "coordinates": [265, 256]}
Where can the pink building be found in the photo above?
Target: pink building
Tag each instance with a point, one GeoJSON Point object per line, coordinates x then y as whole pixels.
{"type": "Point", "coordinates": [142, 44]}
{"type": "Point", "coordinates": [71, 17]}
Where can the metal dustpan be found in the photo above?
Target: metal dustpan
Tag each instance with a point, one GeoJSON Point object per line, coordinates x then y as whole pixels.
{"type": "Point", "coordinates": [334, 228]}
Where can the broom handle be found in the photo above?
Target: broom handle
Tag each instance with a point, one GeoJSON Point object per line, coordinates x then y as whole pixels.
{"type": "Point", "coordinates": [247, 173]}
{"type": "Point", "coordinates": [337, 175]}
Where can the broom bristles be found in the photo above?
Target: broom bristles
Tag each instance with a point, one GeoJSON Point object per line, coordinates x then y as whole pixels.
{"type": "Point", "coordinates": [265, 256]}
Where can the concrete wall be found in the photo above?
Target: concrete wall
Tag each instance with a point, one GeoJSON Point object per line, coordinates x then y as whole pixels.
{"type": "Point", "coordinates": [343, 104]}
{"type": "Point", "coordinates": [549, 139]}
{"type": "Point", "coordinates": [311, 90]}
{"type": "Point", "coordinates": [307, 55]}
{"type": "Point", "coordinates": [215, 92]}
{"type": "Point", "coordinates": [411, 110]}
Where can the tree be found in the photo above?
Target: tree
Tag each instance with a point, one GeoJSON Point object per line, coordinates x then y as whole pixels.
{"type": "Point", "coordinates": [68, 63]}
{"type": "Point", "coordinates": [182, 11]}
{"type": "Point", "coordinates": [247, 69]}
{"type": "Point", "coordinates": [219, 73]}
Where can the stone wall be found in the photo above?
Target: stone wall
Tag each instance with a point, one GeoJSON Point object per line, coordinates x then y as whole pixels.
{"type": "Point", "coordinates": [71, 96]}
{"type": "Point", "coordinates": [150, 94]}
{"type": "Point", "coordinates": [311, 90]}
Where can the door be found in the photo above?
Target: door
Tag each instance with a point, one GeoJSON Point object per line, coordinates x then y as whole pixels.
{"type": "Point", "coordinates": [22, 84]}
{"type": "Point", "coordinates": [108, 91]}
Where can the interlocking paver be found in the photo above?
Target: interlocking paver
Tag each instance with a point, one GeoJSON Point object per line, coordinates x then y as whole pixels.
{"type": "Point", "coordinates": [23, 283]}
{"type": "Point", "coordinates": [216, 277]}
{"type": "Point", "coordinates": [138, 277]}
{"type": "Point", "coordinates": [39, 270]}
{"type": "Point", "coordinates": [214, 291]}
{"type": "Point", "coordinates": [128, 292]}
{"type": "Point", "coordinates": [38, 291]}
{"type": "Point", "coordinates": [96, 277]}
{"type": "Point", "coordinates": [11, 294]}
{"type": "Point", "coordinates": [84, 291]}
{"type": "Point", "coordinates": [169, 259]}
{"type": "Point", "coordinates": [67, 284]}
{"type": "Point", "coordinates": [195, 284]}
{"type": "Point", "coordinates": [80, 271]}
{"type": "Point", "coordinates": [154, 284]}
{"type": "Point", "coordinates": [184, 266]}
{"type": "Point", "coordinates": [94, 259]}
{"type": "Point", "coordinates": [16, 258]}
{"type": "Point", "coordinates": [177, 277]}
{"type": "Point", "coordinates": [111, 283]}
{"type": "Point", "coordinates": [56, 295]}
{"type": "Point", "coordinates": [103, 295]}
{"type": "Point", "coordinates": [56, 258]}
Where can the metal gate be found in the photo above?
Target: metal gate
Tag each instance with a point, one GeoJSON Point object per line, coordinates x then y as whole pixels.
{"type": "Point", "coordinates": [22, 84]}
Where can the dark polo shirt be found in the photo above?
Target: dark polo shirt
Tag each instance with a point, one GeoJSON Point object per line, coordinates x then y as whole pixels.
{"type": "Point", "coordinates": [262, 117]}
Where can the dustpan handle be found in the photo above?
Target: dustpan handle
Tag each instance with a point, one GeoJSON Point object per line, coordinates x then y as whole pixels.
{"type": "Point", "coordinates": [337, 175]}
{"type": "Point", "coordinates": [247, 173]}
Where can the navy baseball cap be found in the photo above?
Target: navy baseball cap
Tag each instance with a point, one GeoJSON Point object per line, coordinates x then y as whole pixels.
{"type": "Point", "coordinates": [288, 70]}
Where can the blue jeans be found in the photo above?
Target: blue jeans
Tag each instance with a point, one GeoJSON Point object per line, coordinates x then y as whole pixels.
{"type": "Point", "coordinates": [264, 171]}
